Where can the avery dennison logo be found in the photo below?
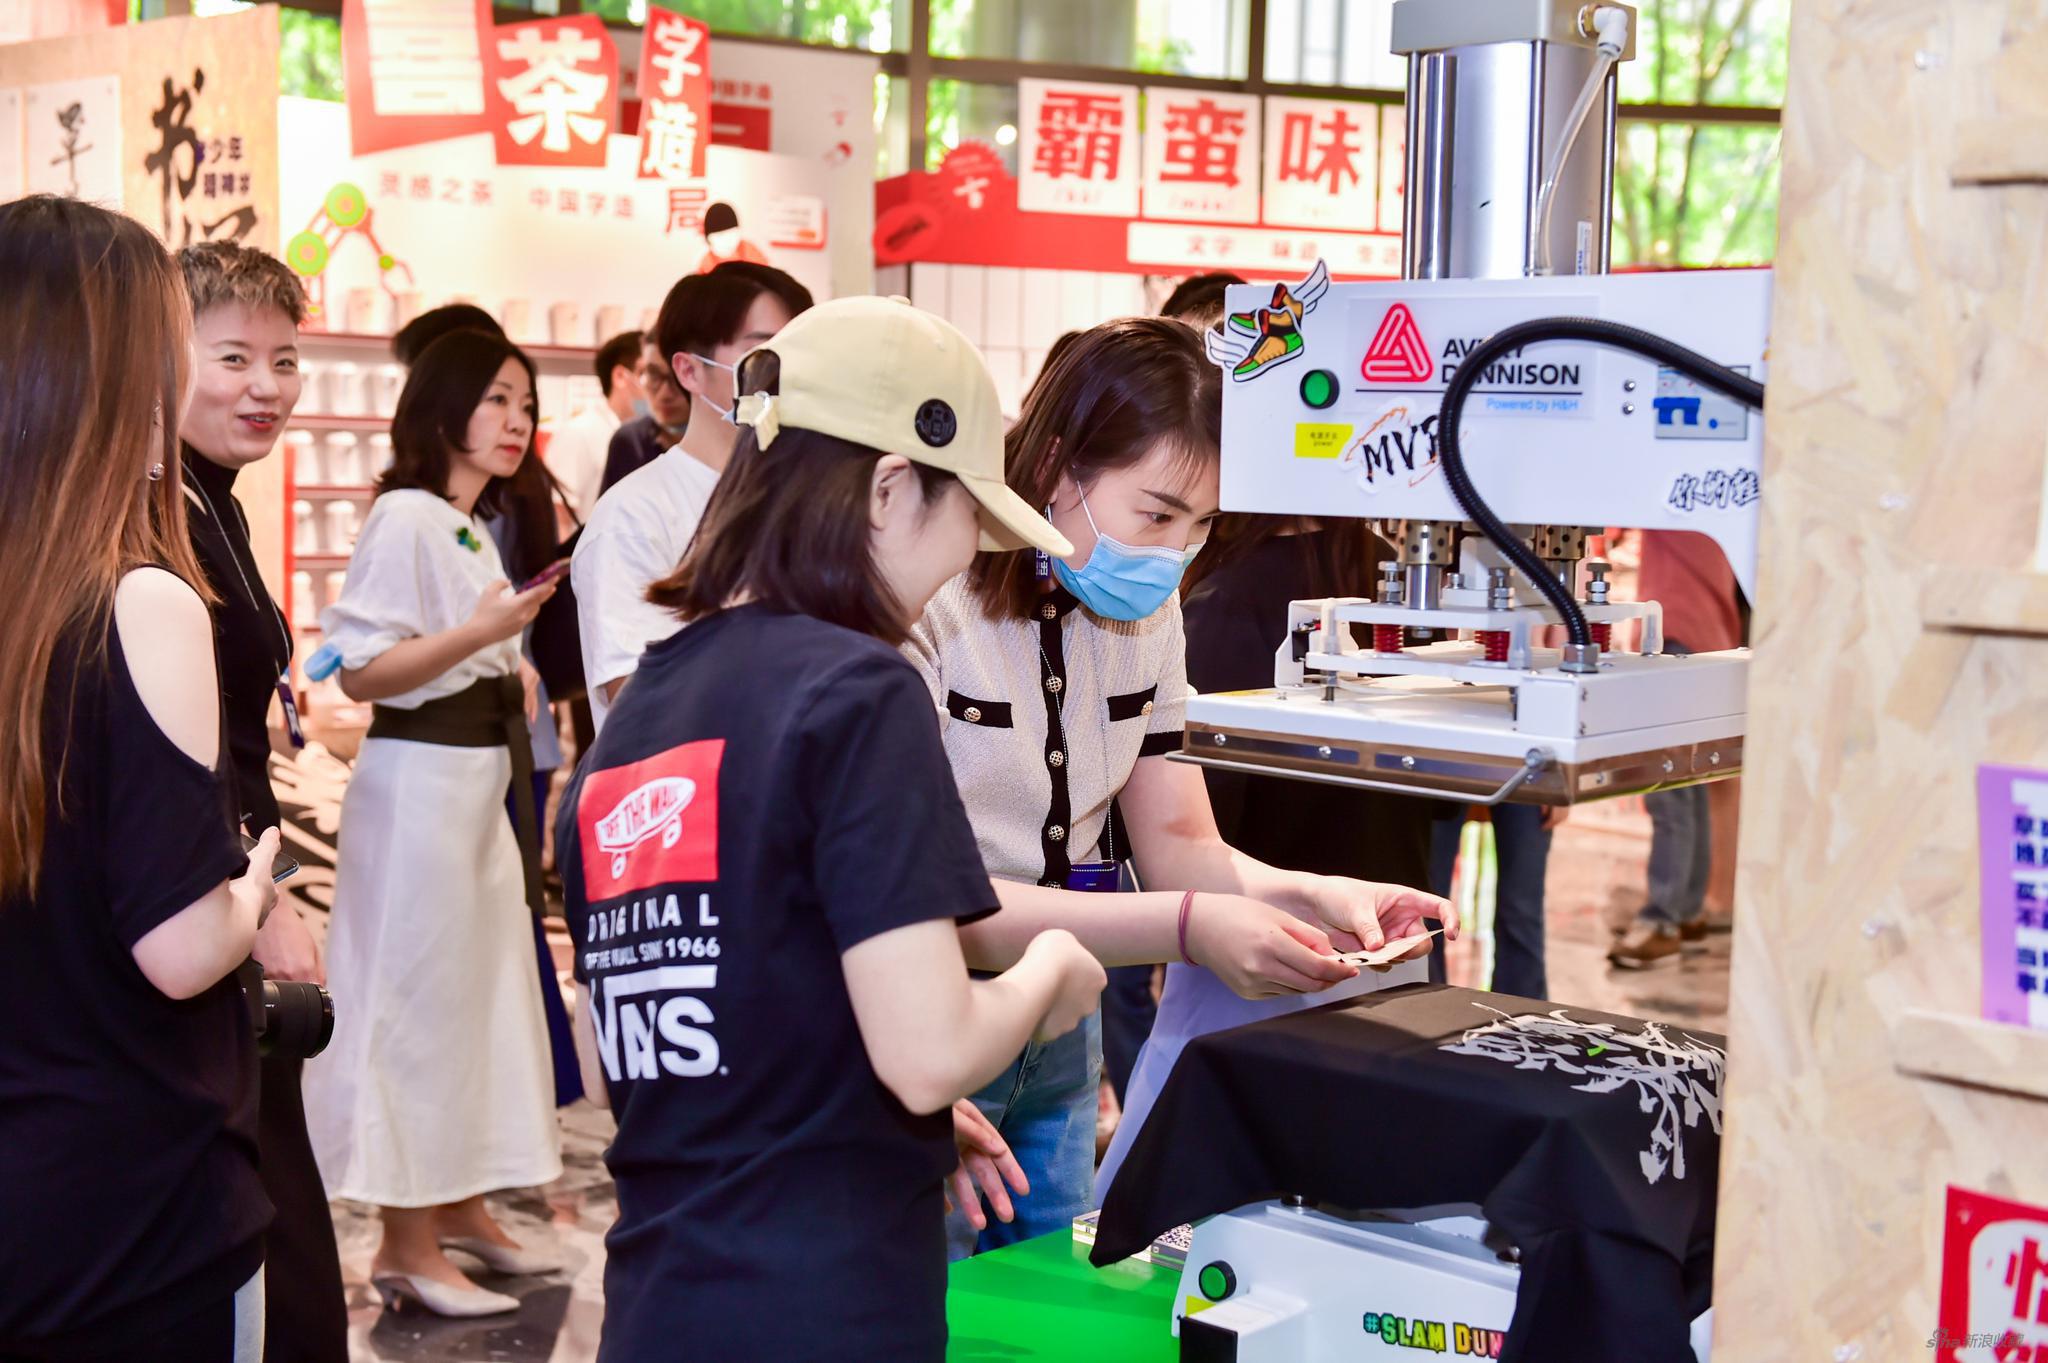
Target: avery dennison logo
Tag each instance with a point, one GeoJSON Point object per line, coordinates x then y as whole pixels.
{"type": "Point", "coordinates": [1399, 357]}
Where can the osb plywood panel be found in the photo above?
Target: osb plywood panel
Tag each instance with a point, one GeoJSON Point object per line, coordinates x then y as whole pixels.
{"type": "Point", "coordinates": [1908, 406]}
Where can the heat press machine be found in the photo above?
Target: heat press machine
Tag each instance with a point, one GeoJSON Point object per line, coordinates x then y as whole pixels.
{"type": "Point", "coordinates": [1440, 684]}
{"type": "Point", "coordinates": [1485, 412]}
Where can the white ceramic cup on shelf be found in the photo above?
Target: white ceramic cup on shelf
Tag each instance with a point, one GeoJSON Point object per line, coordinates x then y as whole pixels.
{"type": "Point", "coordinates": [346, 392]}
{"type": "Point", "coordinates": [344, 459]}
{"type": "Point", "coordinates": [305, 528]}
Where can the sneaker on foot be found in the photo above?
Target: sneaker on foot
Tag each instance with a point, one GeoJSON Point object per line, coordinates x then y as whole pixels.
{"type": "Point", "coordinates": [1646, 945]}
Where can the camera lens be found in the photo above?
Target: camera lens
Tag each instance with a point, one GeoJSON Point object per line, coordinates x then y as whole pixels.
{"type": "Point", "coordinates": [298, 1019]}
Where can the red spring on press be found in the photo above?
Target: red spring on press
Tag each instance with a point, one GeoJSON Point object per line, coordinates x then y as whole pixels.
{"type": "Point", "coordinates": [1495, 642]}
{"type": "Point", "coordinates": [1386, 638]}
{"type": "Point", "coordinates": [1603, 634]}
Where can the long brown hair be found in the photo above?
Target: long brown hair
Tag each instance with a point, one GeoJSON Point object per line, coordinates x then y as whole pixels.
{"type": "Point", "coordinates": [1104, 402]}
{"type": "Point", "coordinates": [95, 345]}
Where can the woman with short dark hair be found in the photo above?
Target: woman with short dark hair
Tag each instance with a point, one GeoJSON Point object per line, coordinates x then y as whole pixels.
{"type": "Point", "coordinates": [246, 310]}
{"type": "Point", "coordinates": [437, 1087]}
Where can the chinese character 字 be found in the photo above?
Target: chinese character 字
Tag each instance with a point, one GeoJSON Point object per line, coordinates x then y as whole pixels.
{"type": "Point", "coordinates": [552, 98]}
{"type": "Point", "coordinates": [675, 56]}
{"type": "Point", "coordinates": [1079, 135]}
{"type": "Point", "coordinates": [1334, 158]}
{"type": "Point", "coordinates": [1202, 144]}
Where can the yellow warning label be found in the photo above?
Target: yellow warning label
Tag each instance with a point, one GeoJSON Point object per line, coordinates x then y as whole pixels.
{"type": "Point", "coordinates": [1196, 1306]}
{"type": "Point", "coordinates": [1320, 440]}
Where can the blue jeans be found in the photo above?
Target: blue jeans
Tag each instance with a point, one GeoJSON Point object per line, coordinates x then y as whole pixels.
{"type": "Point", "coordinates": [1044, 1105]}
{"type": "Point", "coordinates": [1522, 847]}
{"type": "Point", "coordinates": [1681, 855]}
{"type": "Point", "coordinates": [1127, 1016]}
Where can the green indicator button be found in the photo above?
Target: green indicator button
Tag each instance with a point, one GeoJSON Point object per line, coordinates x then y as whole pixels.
{"type": "Point", "coordinates": [1319, 388]}
{"type": "Point", "coordinates": [1217, 1281]}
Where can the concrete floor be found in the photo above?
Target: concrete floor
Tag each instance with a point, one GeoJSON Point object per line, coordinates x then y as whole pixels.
{"type": "Point", "coordinates": [1596, 875]}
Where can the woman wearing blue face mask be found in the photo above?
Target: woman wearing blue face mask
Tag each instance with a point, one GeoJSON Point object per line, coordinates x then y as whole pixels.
{"type": "Point", "coordinates": [1061, 687]}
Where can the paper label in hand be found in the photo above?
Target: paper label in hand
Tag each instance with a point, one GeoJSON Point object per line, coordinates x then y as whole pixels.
{"type": "Point", "coordinates": [1392, 951]}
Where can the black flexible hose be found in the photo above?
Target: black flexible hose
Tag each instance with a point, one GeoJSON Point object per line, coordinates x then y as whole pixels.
{"type": "Point", "coordinates": [1472, 368]}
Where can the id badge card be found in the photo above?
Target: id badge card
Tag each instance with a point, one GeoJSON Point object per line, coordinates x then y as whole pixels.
{"type": "Point", "coordinates": [292, 727]}
{"type": "Point", "coordinates": [1101, 877]}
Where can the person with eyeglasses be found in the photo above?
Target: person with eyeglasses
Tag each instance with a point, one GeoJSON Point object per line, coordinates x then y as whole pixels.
{"type": "Point", "coordinates": [637, 532]}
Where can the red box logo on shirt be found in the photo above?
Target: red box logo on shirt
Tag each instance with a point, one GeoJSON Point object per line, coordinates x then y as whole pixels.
{"type": "Point", "coordinates": [652, 823]}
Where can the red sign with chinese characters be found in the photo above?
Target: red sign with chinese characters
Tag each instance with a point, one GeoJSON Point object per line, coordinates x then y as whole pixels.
{"type": "Point", "coordinates": [1322, 161]}
{"type": "Point", "coordinates": [675, 97]}
{"type": "Point", "coordinates": [553, 91]}
{"type": "Point", "coordinates": [1078, 150]}
{"type": "Point", "coordinates": [1201, 156]}
{"type": "Point", "coordinates": [414, 70]}
{"type": "Point", "coordinates": [1994, 1282]}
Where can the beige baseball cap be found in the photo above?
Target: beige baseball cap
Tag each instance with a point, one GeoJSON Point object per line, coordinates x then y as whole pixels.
{"type": "Point", "coordinates": [882, 373]}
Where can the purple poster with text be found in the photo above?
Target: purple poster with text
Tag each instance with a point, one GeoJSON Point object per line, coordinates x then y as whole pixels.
{"type": "Point", "coordinates": [2012, 848]}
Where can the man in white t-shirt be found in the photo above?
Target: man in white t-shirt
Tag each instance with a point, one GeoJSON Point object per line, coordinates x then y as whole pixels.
{"type": "Point", "coordinates": [576, 448]}
{"type": "Point", "coordinates": [640, 527]}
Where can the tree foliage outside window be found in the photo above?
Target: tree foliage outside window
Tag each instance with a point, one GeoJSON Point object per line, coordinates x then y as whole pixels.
{"type": "Point", "coordinates": [1700, 193]}
{"type": "Point", "coordinates": [309, 55]}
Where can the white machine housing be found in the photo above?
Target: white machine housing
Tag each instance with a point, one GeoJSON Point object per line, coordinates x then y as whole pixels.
{"type": "Point", "coordinates": [1306, 1283]}
{"type": "Point", "coordinates": [1564, 433]}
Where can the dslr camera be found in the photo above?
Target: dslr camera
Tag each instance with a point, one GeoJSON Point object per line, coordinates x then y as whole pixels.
{"type": "Point", "coordinates": [290, 1017]}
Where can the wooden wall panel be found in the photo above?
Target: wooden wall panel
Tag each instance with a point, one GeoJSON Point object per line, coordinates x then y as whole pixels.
{"type": "Point", "coordinates": [1904, 437]}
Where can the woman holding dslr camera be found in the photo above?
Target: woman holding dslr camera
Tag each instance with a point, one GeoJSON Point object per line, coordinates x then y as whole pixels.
{"type": "Point", "coordinates": [246, 310]}
{"type": "Point", "coordinates": [128, 1081]}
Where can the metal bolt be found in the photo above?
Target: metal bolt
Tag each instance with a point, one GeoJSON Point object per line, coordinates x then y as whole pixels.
{"type": "Point", "coordinates": [1714, 758]}
{"type": "Point", "coordinates": [1408, 764]}
{"type": "Point", "coordinates": [1324, 751]}
{"type": "Point", "coordinates": [1220, 740]}
{"type": "Point", "coordinates": [1669, 766]}
{"type": "Point", "coordinates": [1628, 409]}
{"type": "Point", "coordinates": [1628, 385]}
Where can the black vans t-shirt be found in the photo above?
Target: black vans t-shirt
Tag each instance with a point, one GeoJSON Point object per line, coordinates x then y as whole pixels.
{"type": "Point", "coordinates": [769, 790]}
{"type": "Point", "coordinates": [128, 1188]}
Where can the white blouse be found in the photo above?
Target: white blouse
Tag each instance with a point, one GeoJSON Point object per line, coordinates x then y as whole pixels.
{"type": "Point", "coordinates": [419, 568]}
{"type": "Point", "coordinates": [1045, 718]}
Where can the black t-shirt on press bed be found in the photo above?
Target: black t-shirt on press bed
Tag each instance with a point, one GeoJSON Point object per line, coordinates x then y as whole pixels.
{"type": "Point", "coordinates": [128, 1188]}
{"type": "Point", "coordinates": [768, 792]}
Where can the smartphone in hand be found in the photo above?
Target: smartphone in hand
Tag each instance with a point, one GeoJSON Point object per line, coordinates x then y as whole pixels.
{"type": "Point", "coordinates": [545, 575]}
{"type": "Point", "coordinates": [282, 869]}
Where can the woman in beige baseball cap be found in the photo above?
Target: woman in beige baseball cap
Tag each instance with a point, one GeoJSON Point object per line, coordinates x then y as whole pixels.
{"type": "Point", "coordinates": [769, 815]}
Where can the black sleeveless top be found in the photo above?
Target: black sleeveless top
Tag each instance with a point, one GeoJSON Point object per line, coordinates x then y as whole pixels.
{"type": "Point", "coordinates": [128, 1186]}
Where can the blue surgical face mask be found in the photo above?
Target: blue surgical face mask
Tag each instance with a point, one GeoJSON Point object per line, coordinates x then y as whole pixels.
{"type": "Point", "coordinates": [1120, 581]}
{"type": "Point", "coordinates": [726, 413]}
